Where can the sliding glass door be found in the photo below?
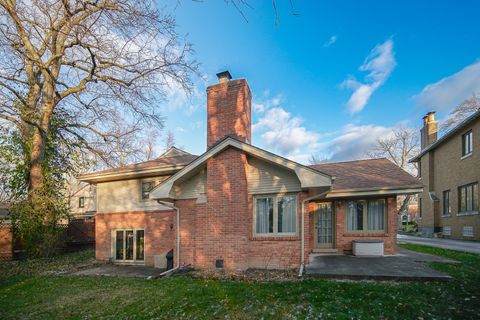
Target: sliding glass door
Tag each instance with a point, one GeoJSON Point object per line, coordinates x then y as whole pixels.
{"type": "Point", "coordinates": [129, 246]}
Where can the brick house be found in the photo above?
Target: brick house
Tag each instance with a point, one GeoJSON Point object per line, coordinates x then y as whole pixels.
{"type": "Point", "coordinates": [449, 168]}
{"type": "Point", "coordinates": [237, 206]}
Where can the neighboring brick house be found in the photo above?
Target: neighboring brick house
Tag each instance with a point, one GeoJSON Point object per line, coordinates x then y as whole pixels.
{"type": "Point", "coordinates": [83, 202]}
{"type": "Point", "coordinates": [237, 206]}
{"type": "Point", "coordinates": [449, 168]}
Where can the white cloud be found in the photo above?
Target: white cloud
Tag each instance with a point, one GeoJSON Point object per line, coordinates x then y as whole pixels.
{"type": "Point", "coordinates": [451, 90]}
{"type": "Point", "coordinates": [355, 141]}
{"type": "Point", "coordinates": [330, 41]}
{"type": "Point", "coordinates": [379, 64]}
{"type": "Point", "coordinates": [282, 132]}
{"type": "Point", "coordinates": [179, 129]}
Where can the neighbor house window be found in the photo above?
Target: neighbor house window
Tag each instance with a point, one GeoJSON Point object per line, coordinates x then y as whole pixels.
{"type": "Point", "coordinates": [468, 198]}
{"type": "Point", "coordinates": [276, 215]}
{"type": "Point", "coordinates": [420, 207]}
{"type": "Point", "coordinates": [81, 202]}
{"type": "Point", "coordinates": [366, 215]}
{"type": "Point", "coordinates": [467, 143]}
{"type": "Point", "coordinates": [467, 231]}
{"type": "Point", "coordinates": [446, 203]}
{"type": "Point", "coordinates": [146, 188]}
{"type": "Point", "coordinates": [447, 231]}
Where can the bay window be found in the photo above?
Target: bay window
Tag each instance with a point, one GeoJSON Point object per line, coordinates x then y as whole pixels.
{"type": "Point", "coordinates": [275, 215]}
{"type": "Point", "coordinates": [366, 215]}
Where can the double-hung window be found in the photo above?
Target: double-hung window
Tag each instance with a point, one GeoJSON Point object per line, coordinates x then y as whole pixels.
{"type": "Point", "coordinates": [275, 215]}
{"type": "Point", "coordinates": [467, 143]}
{"type": "Point", "coordinates": [468, 198]}
{"type": "Point", "coordinates": [147, 186]}
{"type": "Point", "coordinates": [366, 215]}
{"type": "Point", "coordinates": [446, 203]}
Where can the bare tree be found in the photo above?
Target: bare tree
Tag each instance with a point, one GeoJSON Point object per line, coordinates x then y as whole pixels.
{"type": "Point", "coordinates": [316, 158]}
{"type": "Point", "coordinates": [98, 68]}
{"type": "Point", "coordinates": [402, 145]}
{"type": "Point", "coordinates": [462, 111]}
{"type": "Point", "coordinates": [169, 140]}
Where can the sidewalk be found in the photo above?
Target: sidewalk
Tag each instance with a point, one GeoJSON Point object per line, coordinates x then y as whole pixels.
{"type": "Point", "coordinates": [458, 245]}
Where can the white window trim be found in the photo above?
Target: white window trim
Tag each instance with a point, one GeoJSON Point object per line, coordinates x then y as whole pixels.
{"type": "Point", "coordinates": [114, 247]}
{"type": "Point", "coordinates": [470, 145]}
{"type": "Point", "coordinates": [275, 216]}
{"type": "Point", "coordinates": [365, 230]}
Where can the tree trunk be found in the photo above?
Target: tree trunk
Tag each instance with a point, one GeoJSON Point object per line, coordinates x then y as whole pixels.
{"type": "Point", "coordinates": [37, 155]}
{"type": "Point", "coordinates": [404, 206]}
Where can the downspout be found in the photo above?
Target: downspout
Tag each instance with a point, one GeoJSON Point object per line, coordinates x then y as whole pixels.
{"type": "Point", "coordinates": [171, 206]}
{"type": "Point", "coordinates": [302, 264]}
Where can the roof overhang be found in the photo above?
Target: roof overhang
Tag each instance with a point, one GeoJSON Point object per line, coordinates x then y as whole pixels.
{"type": "Point", "coordinates": [347, 193]}
{"type": "Point", "coordinates": [308, 177]}
{"type": "Point", "coordinates": [95, 177]}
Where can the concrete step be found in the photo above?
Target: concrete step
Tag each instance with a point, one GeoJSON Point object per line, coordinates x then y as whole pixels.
{"type": "Point", "coordinates": [324, 250]}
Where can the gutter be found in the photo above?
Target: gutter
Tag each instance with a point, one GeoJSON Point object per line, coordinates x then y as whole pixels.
{"type": "Point", "coordinates": [302, 264]}
{"type": "Point", "coordinates": [171, 206]}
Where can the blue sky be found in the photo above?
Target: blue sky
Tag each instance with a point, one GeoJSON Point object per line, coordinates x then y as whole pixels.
{"type": "Point", "coordinates": [332, 79]}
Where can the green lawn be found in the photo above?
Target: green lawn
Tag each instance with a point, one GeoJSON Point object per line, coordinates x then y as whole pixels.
{"type": "Point", "coordinates": [29, 291]}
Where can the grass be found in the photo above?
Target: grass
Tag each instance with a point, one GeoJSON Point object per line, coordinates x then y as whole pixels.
{"type": "Point", "coordinates": [28, 290]}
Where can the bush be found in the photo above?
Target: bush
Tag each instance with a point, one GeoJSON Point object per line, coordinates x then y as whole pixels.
{"type": "Point", "coordinates": [39, 224]}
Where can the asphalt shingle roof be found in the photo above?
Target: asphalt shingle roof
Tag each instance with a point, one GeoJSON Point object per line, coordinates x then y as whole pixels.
{"type": "Point", "coordinates": [366, 174]}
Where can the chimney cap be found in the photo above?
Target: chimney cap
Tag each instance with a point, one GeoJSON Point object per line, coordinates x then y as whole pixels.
{"type": "Point", "coordinates": [224, 76]}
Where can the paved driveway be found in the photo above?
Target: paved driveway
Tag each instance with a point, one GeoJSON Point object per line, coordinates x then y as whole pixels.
{"type": "Point", "coordinates": [458, 245]}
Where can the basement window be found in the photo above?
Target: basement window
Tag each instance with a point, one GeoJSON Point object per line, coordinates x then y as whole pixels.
{"type": "Point", "coordinates": [467, 231]}
{"type": "Point", "coordinates": [447, 231]}
{"type": "Point", "coordinates": [275, 215]}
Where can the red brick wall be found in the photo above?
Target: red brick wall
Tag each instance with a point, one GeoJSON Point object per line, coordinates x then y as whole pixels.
{"type": "Point", "coordinates": [228, 111]}
{"type": "Point", "coordinates": [159, 236]}
{"type": "Point", "coordinates": [344, 239]}
{"type": "Point", "coordinates": [6, 242]}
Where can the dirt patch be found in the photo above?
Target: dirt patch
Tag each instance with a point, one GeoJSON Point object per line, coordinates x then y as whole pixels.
{"type": "Point", "coordinates": [250, 275]}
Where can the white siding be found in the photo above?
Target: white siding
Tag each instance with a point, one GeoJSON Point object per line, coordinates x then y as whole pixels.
{"type": "Point", "coordinates": [191, 188]}
{"type": "Point", "coordinates": [264, 177]}
{"type": "Point", "coordinates": [125, 195]}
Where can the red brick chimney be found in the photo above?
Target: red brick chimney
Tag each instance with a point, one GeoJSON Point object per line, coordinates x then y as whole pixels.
{"type": "Point", "coordinates": [429, 131]}
{"type": "Point", "coordinates": [228, 109]}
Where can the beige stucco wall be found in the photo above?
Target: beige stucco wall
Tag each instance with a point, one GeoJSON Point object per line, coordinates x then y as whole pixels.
{"type": "Point", "coordinates": [450, 171]}
{"type": "Point", "coordinates": [125, 195]}
{"type": "Point", "coordinates": [88, 192]}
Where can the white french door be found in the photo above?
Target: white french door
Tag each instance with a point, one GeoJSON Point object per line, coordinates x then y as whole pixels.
{"type": "Point", "coordinates": [129, 245]}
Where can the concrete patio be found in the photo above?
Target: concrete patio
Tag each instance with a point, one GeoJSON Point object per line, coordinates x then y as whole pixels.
{"type": "Point", "coordinates": [407, 265]}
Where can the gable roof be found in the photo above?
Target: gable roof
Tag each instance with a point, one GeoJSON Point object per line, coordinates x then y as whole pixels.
{"type": "Point", "coordinates": [309, 177]}
{"type": "Point", "coordinates": [367, 174]}
{"type": "Point", "coordinates": [446, 136]}
{"type": "Point", "coordinates": [170, 161]}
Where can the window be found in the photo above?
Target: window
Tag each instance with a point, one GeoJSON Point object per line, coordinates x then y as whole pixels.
{"type": "Point", "coordinates": [129, 245]}
{"type": "Point", "coordinates": [276, 215]}
{"type": "Point", "coordinates": [468, 198]}
{"type": "Point", "coordinates": [447, 231]}
{"type": "Point", "coordinates": [446, 203]}
{"type": "Point", "coordinates": [467, 231]}
{"type": "Point", "coordinates": [467, 143]}
{"type": "Point", "coordinates": [419, 207]}
{"type": "Point", "coordinates": [366, 215]}
{"type": "Point", "coordinates": [81, 202]}
{"type": "Point", "coordinates": [146, 188]}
